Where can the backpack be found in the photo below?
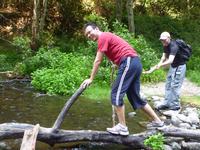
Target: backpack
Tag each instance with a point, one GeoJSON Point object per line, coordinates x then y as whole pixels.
{"type": "Point", "coordinates": [185, 49]}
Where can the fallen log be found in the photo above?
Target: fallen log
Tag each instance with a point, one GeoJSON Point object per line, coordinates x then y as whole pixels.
{"type": "Point", "coordinates": [180, 132]}
{"type": "Point", "coordinates": [16, 130]}
{"type": "Point", "coordinates": [136, 141]}
{"type": "Point", "coordinates": [191, 145]}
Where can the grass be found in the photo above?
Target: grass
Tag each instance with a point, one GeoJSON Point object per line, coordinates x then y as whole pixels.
{"type": "Point", "coordinates": [192, 100]}
{"type": "Point", "coordinates": [97, 92]}
{"type": "Point", "coordinates": [193, 75]}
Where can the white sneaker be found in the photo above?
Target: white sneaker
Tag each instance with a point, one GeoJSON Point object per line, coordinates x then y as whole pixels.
{"type": "Point", "coordinates": [119, 129]}
{"type": "Point", "coordinates": [155, 124]}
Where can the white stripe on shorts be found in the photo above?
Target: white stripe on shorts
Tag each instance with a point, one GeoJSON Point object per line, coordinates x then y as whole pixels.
{"type": "Point", "coordinates": [122, 80]}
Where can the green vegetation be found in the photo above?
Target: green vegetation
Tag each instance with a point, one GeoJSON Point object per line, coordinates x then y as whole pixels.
{"type": "Point", "coordinates": [96, 92]}
{"type": "Point", "coordinates": [64, 59]}
{"type": "Point", "coordinates": [4, 63]}
{"type": "Point", "coordinates": [8, 57]}
{"type": "Point", "coordinates": [61, 69]}
{"type": "Point", "coordinates": [192, 100]}
{"type": "Point", "coordinates": [57, 72]}
{"type": "Point", "coordinates": [62, 74]}
{"type": "Point", "coordinates": [155, 142]}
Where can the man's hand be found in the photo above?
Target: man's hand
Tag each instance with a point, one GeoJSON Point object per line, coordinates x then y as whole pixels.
{"type": "Point", "coordinates": [86, 83]}
{"type": "Point", "coordinates": [152, 69]}
{"type": "Point", "coordinates": [158, 66]}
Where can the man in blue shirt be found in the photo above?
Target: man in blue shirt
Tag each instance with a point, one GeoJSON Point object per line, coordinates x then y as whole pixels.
{"type": "Point", "coordinates": [176, 74]}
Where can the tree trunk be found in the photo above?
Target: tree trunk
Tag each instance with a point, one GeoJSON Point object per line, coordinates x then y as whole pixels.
{"type": "Point", "coordinates": [43, 16]}
{"type": "Point", "coordinates": [16, 130]}
{"type": "Point", "coordinates": [188, 8]}
{"type": "Point", "coordinates": [118, 10]}
{"type": "Point", "coordinates": [34, 38]}
{"type": "Point", "coordinates": [135, 141]}
{"type": "Point", "coordinates": [131, 25]}
{"type": "Point", "coordinates": [191, 145]}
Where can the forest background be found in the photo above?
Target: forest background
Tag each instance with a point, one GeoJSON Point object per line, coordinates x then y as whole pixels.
{"type": "Point", "coordinates": [48, 44]}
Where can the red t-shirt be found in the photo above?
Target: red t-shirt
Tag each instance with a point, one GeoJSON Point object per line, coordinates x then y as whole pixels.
{"type": "Point", "coordinates": [114, 47]}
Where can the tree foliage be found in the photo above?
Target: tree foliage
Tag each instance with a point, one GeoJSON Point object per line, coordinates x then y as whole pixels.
{"type": "Point", "coordinates": [67, 16]}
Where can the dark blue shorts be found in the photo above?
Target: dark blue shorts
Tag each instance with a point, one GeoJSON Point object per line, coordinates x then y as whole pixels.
{"type": "Point", "coordinates": [128, 82]}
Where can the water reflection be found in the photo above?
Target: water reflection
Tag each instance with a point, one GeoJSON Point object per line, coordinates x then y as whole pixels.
{"type": "Point", "coordinates": [19, 102]}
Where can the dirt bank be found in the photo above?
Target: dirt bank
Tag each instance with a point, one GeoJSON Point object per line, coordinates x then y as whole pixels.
{"type": "Point", "coordinates": [188, 89]}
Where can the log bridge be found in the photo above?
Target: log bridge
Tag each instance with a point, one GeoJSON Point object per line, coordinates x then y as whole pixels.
{"type": "Point", "coordinates": [136, 141]}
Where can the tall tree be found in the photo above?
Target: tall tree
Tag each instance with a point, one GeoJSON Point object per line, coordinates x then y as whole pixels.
{"type": "Point", "coordinates": [188, 8]}
{"type": "Point", "coordinates": [118, 10]}
{"type": "Point", "coordinates": [43, 16]}
{"type": "Point", "coordinates": [38, 22]}
{"type": "Point", "coordinates": [35, 36]}
{"type": "Point", "coordinates": [131, 25]}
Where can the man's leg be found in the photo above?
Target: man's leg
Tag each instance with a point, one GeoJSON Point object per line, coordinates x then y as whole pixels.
{"type": "Point", "coordinates": [156, 120]}
{"type": "Point", "coordinates": [165, 103]}
{"type": "Point", "coordinates": [119, 89]}
{"type": "Point", "coordinates": [121, 127]}
{"type": "Point", "coordinates": [147, 109]}
{"type": "Point", "coordinates": [176, 84]}
{"type": "Point", "coordinates": [133, 94]}
{"type": "Point", "coordinates": [121, 114]}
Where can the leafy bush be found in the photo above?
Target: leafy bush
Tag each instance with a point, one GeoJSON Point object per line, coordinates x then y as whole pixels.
{"type": "Point", "coordinates": [193, 67]}
{"type": "Point", "coordinates": [193, 63]}
{"type": "Point", "coordinates": [156, 142]}
{"type": "Point", "coordinates": [99, 20]}
{"type": "Point", "coordinates": [56, 72]}
{"type": "Point", "coordinates": [4, 65]}
{"type": "Point", "coordinates": [156, 76]}
{"type": "Point", "coordinates": [193, 75]}
{"type": "Point", "coordinates": [71, 44]}
{"type": "Point", "coordinates": [23, 44]}
{"type": "Point", "coordinates": [64, 74]}
{"type": "Point", "coordinates": [56, 81]}
{"type": "Point", "coordinates": [49, 58]}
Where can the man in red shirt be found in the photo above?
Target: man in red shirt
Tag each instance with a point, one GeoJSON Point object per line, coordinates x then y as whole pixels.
{"type": "Point", "coordinates": [128, 78]}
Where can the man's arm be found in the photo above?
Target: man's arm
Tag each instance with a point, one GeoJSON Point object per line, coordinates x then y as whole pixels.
{"type": "Point", "coordinates": [163, 62]}
{"type": "Point", "coordinates": [163, 58]}
{"type": "Point", "coordinates": [166, 62]}
{"type": "Point", "coordinates": [174, 48]}
{"type": "Point", "coordinates": [96, 63]}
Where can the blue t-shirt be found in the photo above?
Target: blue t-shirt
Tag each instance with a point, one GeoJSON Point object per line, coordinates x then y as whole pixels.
{"type": "Point", "coordinates": [173, 49]}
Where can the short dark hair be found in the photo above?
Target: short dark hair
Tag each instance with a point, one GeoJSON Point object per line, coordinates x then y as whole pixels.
{"type": "Point", "coordinates": [92, 24]}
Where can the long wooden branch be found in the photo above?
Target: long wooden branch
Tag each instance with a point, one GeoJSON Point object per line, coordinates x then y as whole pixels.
{"type": "Point", "coordinates": [66, 108]}
{"type": "Point", "coordinates": [16, 130]}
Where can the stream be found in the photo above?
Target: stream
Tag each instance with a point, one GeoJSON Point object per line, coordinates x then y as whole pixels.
{"type": "Point", "coordinates": [20, 103]}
